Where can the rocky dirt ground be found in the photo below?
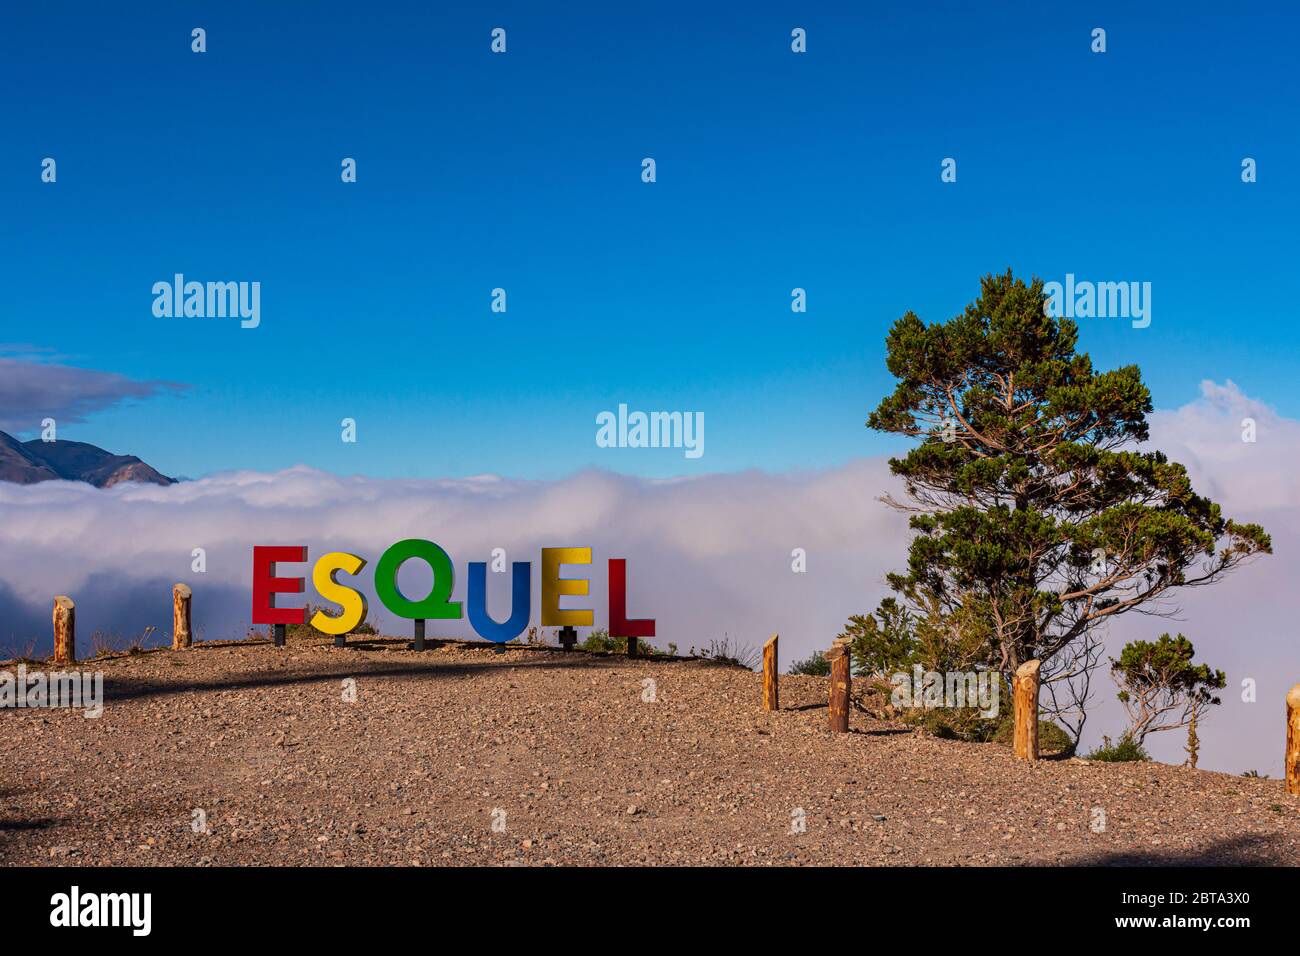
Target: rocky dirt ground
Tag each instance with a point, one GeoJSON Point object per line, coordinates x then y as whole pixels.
{"type": "Point", "coordinates": [461, 755]}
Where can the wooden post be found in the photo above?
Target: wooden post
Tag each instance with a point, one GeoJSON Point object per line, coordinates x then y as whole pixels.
{"type": "Point", "coordinates": [419, 634]}
{"type": "Point", "coordinates": [1293, 741]}
{"type": "Point", "coordinates": [631, 647]}
{"type": "Point", "coordinates": [181, 635]}
{"type": "Point", "coordinates": [1024, 695]}
{"type": "Point", "coordinates": [278, 634]}
{"type": "Point", "coordinates": [65, 630]}
{"type": "Point", "coordinates": [770, 699]}
{"type": "Point", "coordinates": [568, 637]}
{"type": "Point", "coordinates": [840, 686]}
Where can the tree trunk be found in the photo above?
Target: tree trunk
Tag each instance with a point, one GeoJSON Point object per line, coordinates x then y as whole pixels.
{"type": "Point", "coordinates": [65, 630]}
{"type": "Point", "coordinates": [770, 699]}
{"type": "Point", "coordinates": [1024, 696]}
{"type": "Point", "coordinates": [181, 635]}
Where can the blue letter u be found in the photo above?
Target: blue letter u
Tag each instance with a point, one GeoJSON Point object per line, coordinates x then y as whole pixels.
{"type": "Point", "coordinates": [521, 573]}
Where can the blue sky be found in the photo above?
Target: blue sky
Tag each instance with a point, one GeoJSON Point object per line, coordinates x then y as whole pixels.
{"type": "Point", "coordinates": [522, 171]}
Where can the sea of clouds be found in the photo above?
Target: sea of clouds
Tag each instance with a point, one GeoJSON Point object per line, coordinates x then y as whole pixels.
{"type": "Point", "coordinates": [709, 557]}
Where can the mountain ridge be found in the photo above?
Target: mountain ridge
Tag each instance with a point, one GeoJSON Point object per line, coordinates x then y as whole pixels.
{"type": "Point", "coordinates": [28, 463]}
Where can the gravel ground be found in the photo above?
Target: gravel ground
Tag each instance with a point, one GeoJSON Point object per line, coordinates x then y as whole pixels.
{"type": "Point", "coordinates": [461, 755]}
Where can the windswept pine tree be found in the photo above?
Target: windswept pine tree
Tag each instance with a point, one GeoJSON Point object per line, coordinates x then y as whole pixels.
{"type": "Point", "coordinates": [1038, 516]}
{"type": "Point", "coordinates": [1162, 689]}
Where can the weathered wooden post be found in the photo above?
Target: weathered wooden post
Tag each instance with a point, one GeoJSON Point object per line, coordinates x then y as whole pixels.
{"type": "Point", "coordinates": [840, 686]}
{"type": "Point", "coordinates": [770, 699]}
{"type": "Point", "coordinates": [181, 635]}
{"type": "Point", "coordinates": [65, 630]}
{"type": "Point", "coordinates": [1024, 698]}
{"type": "Point", "coordinates": [1293, 741]}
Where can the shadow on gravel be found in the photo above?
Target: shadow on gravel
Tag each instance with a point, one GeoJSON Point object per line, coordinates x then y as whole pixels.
{"type": "Point", "coordinates": [9, 826]}
{"type": "Point", "coordinates": [116, 690]}
{"type": "Point", "coordinates": [9, 838]}
{"type": "Point", "coordinates": [1238, 851]}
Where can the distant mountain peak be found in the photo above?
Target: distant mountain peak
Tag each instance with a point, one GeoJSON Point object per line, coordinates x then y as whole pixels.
{"type": "Point", "coordinates": [27, 463]}
{"type": "Point", "coordinates": [19, 465]}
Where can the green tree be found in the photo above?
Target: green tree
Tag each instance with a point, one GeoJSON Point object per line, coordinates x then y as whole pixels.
{"type": "Point", "coordinates": [1160, 687]}
{"type": "Point", "coordinates": [1037, 517]}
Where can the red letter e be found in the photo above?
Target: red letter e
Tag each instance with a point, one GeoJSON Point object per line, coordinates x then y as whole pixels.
{"type": "Point", "coordinates": [266, 585]}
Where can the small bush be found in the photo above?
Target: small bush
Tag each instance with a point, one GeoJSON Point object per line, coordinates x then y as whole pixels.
{"type": "Point", "coordinates": [1125, 751]}
{"type": "Point", "coordinates": [25, 656]}
{"type": "Point", "coordinates": [732, 653]}
{"type": "Point", "coordinates": [815, 666]}
{"type": "Point", "coordinates": [934, 722]}
{"type": "Point", "coordinates": [108, 644]}
{"type": "Point", "coordinates": [1051, 738]}
{"type": "Point", "coordinates": [599, 642]}
{"type": "Point", "coordinates": [951, 723]}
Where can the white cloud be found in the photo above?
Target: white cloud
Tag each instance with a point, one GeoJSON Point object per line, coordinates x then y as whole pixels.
{"type": "Point", "coordinates": [707, 556]}
{"type": "Point", "coordinates": [699, 550]}
{"type": "Point", "coordinates": [1206, 436]}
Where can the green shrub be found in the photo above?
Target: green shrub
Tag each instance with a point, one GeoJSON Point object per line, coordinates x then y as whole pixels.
{"type": "Point", "coordinates": [951, 723]}
{"type": "Point", "coordinates": [1126, 750]}
{"type": "Point", "coordinates": [599, 642]}
{"type": "Point", "coordinates": [881, 642]}
{"type": "Point", "coordinates": [1051, 738]}
{"type": "Point", "coordinates": [934, 722]}
{"type": "Point", "coordinates": [815, 666]}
